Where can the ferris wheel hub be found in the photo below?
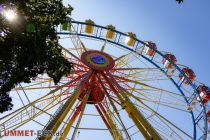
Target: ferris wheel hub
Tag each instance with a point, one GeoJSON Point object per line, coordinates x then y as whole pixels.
{"type": "Point", "coordinates": [97, 60]}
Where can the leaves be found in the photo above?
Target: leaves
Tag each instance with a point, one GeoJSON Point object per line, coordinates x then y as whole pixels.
{"type": "Point", "coordinates": [179, 1]}
{"type": "Point", "coordinates": [5, 103]}
{"type": "Point", "coordinates": [29, 45]}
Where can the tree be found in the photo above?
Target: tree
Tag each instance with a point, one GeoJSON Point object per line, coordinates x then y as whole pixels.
{"type": "Point", "coordinates": [29, 45]}
{"type": "Point", "coordinates": [179, 1]}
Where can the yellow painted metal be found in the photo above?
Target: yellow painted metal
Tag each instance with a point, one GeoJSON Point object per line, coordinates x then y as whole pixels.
{"type": "Point", "coordinates": [69, 52]}
{"type": "Point", "coordinates": [161, 117]}
{"type": "Point", "coordinates": [68, 105]}
{"type": "Point", "coordinates": [81, 114]}
{"type": "Point", "coordinates": [103, 47]}
{"type": "Point", "coordinates": [134, 115]}
{"type": "Point", "coordinates": [16, 126]}
{"type": "Point", "coordinates": [110, 34]}
{"type": "Point", "coordinates": [19, 88]}
{"type": "Point", "coordinates": [140, 127]}
{"type": "Point", "coordinates": [116, 111]}
{"type": "Point", "coordinates": [54, 98]}
{"type": "Point", "coordinates": [58, 119]}
{"type": "Point", "coordinates": [131, 109]}
{"type": "Point", "coordinates": [138, 119]}
{"type": "Point", "coordinates": [71, 121]}
{"type": "Point", "coordinates": [89, 29]}
{"type": "Point", "coordinates": [13, 114]}
{"type": "Point", "coordinates": [116, 134]}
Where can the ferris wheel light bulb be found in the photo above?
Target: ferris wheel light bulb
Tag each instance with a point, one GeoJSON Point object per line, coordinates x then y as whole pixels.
{"type": "Point", "coordinates": [10, 15]}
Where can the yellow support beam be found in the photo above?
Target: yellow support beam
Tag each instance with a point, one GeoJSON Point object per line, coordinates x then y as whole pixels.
{"type": "Point", "coordinates": [80, 117]}
{"type": "Point", "coordinates": [71, 121]}
{"type": "Point", "coordinates": [131, 109]}
{"type": "Point", "coordinates": [116, 134]}
{"type": "Point", "coordinates": [140, 127]}
{"type": "Point", "coordinates": [60, 116]}
{"type": "Point", "coordinates": [58, 119]}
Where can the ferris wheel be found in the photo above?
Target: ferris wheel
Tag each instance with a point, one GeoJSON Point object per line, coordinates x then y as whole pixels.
{"type": "Point", "coordinates": [120, 88]}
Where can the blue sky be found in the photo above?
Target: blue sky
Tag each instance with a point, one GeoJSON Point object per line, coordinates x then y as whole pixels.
{"type": "Point", "coordinates": [183, 30]}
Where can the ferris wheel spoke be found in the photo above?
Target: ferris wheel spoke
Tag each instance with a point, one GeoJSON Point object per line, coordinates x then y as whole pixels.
{"type": "Point", "coordinates": [115, 109]}
{"type": "Point", "coordinates": [27, 113]}
{"type": "Point", "coordinates": [163, 118]}
{"type": "Point", "coordinates": [164, 129]}
{"type": "Point", "coordinates": [160, 103]}
{"type": "Point", "coordinates": [79, 71]}
{"type": "Point", "coordinates": [78, 112]}
{"type": "Point", "coordinates": [42, 85]}
{"type": "Point", "coordinates": [80, 117]}
{"type": "Point", "coordinates": [140, 70]}
{"type": "Point", "coordinates": [62, 112]}
{"type": "Point", "coordinates": [119, 117]}
{"type": "Point", "coordinates": [104, 45]}
{"type": "Point", "coordinates": [162, 98]}
{"type": "Point", "coordinates": [145, 85]}
{"type": "Point", "coordinates": [30, 104]}
{"type": "Point", "coordinates": [158, 126]}
{"type": "Point", "coordinates": [122, 60]}
{"type": "Point", "coordinates": [19, 113]}
{"type": "Point", "coordinates": [18, 125]}
{"type": "Point", "coordinates": [129, 69]}
{"type": "Point", "coordinates": [142, 124]}
{"type": "Point", "coordinates": [126, 61]}
{"type": "Point", "coordinates": [28, 86]}
{"type": "Point", "coordinates": [71, 54]}
{"type": "Point", "coordinates": [138, 78]}
{"type": "Point", "coordinates": [152, 97]}
{"type": "Point", "coordinates": [141, 77]}
{"type": "Point", "coordinates": [109, 122]}
{"type": "Point", "coordinates": [76, 41]}
{"type": "Point", "coordinates": [171, 98]}
{"type": "Point", "coordinates": [176, 126]}
{"type": "Point", "coordinates": [80, 65]}
{"type": "Point", "coordinates": [38, 88]}
{"type": "Point", "coordinates": [168, 102]}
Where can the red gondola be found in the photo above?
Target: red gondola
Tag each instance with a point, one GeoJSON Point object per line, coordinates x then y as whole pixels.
{"type": "Point", "coordinates": [151, 50]}
{"type": "Point", "coordinates": [204, 92]}
{"type": "Point", "coordinates": [208, 116]}
{"type": "Point", "coordinates": [166, 63]}
{"type": "Point", "coordinates": [189, 73]}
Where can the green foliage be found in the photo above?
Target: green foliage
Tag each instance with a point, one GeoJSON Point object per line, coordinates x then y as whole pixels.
{"type": "Point", "coordinates": [111, 27]}
{"type": "Point", "coordinates": [179, 1]}
{"type": "Point", "coordinates": [89, 22]}
{"type": "Point", "coordinates": [29, 45]}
